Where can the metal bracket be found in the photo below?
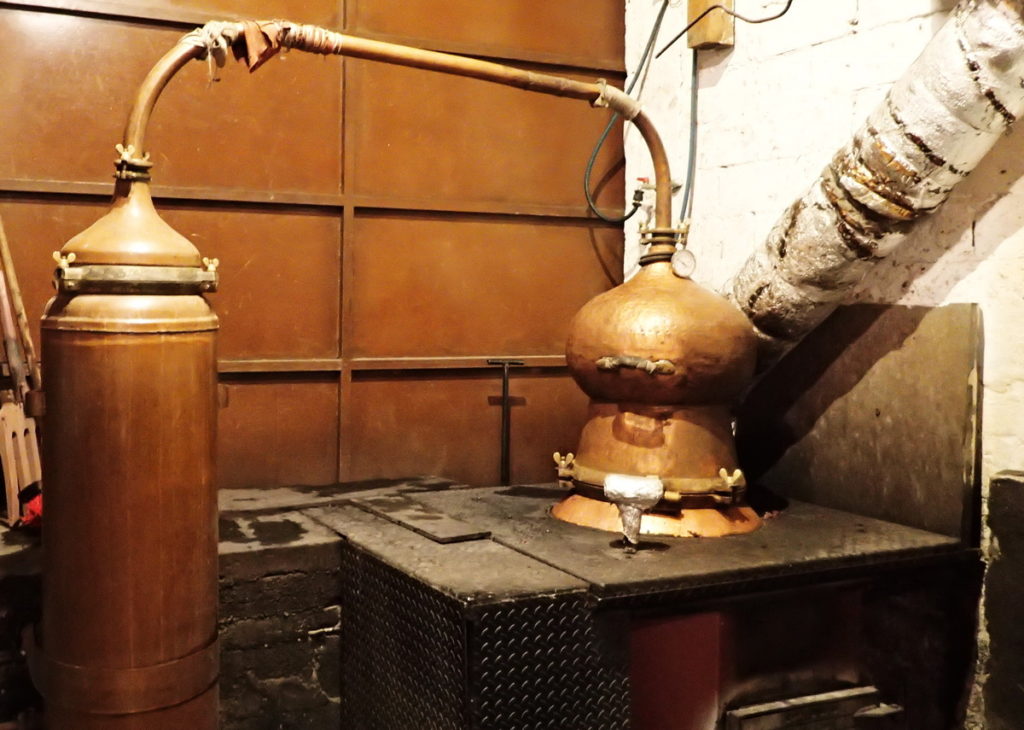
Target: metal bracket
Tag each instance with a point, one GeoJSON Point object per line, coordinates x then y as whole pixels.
{"type": "Point", "coordinates": [652, 367]}
{"type": "Point", "coordinates": [131, 279]}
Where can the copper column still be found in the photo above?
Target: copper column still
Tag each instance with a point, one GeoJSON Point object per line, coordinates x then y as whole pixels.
{"type": "Point", "coordinates": [128, 635]}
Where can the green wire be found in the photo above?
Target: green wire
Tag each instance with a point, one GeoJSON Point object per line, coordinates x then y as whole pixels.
{"type": "Point", "coordinates": [637, 199]}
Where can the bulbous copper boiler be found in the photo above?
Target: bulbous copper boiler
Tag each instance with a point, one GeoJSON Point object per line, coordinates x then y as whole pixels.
{"type": "Point", "coordinates": [663, 360]}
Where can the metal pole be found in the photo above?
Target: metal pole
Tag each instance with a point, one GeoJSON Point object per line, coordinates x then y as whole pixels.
{"type": "Point", "coordinates": [506, 418]}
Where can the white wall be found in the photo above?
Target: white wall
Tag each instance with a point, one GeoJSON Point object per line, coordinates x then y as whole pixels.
{"type": "Point", "coordinates": [772, 111]}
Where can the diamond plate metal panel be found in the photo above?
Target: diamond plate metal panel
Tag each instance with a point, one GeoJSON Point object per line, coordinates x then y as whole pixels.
{"type": "Point", "coordinates": [543, 664]}
{"type": "Point", "coordinates": [419, 659]}
{"type": "Point", "coordinates": [403, 662]}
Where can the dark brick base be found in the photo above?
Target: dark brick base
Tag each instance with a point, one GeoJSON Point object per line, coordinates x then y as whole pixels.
{"type": "Point", "coordinates": [279, 626]}
{"type": "Point", "coordinates": [279, 607]}
{"type": "Point", "coordinates": [19, 605]}
{"type": "Point", "coordinates": [279, 623]}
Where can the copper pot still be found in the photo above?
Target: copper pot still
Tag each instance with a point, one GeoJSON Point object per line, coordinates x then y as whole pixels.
{"type": "Point", "coordinates": [663, 361]}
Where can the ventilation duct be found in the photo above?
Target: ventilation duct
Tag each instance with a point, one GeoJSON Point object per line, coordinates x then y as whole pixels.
{"type": "Point", "coordinates": [934, 127]}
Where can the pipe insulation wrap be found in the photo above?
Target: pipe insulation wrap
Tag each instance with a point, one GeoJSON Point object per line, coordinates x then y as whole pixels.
{"type": "Point", "coordinates": [618, 101]}
{"type": "Point", "coordinates": [934, 126]}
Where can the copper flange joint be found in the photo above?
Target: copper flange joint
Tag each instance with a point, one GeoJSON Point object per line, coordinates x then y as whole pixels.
{"type": "Point", "coordinates": [663, 242]}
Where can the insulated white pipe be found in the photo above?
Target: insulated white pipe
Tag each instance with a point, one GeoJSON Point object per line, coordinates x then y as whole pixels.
{"type": "Point", "coordinates": [934, 127]}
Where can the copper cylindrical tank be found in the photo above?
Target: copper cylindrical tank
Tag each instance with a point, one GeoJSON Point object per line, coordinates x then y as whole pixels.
{"type": "Point", "coordinates": [128, 637]}
{"type": "Point", "coordinates": [662, 360]}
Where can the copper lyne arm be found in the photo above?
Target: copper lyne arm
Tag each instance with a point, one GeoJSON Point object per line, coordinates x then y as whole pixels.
{"type": "Point", "coordinates": [255, 42]}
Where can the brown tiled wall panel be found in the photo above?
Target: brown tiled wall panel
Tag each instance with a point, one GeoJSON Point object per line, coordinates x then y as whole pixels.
{"type": "Point", "coordinates": [279, 270]}
{"type": "Point", "coordinates": [66, 109]}
{"type": "Point", "coordinates": [278, 430]}
{"type": "Point", "coordinates": [35, 229]}
{"type": "Point", "coordinates": [577, 29]}
{"type": "Point", "coordinates": [449, 424]}
{"type": "Point", "coordinates": [432, 137]}
{"type": "Point", "coordinates": [473, 286]}
{"type": "Point", "coordinates": [280, 278]}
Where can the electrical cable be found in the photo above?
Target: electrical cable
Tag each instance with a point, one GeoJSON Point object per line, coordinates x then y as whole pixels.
{"type": "Point", "coordinates": [691, 160]}
{"type": "Point", "coordinates": [691, 156]}
{"type": "Point", "coordinates": [733, 13]}
{"type": "Point", "coordinates": [645, 60]}
{"type": "Point", "coordinates": [638, 196]}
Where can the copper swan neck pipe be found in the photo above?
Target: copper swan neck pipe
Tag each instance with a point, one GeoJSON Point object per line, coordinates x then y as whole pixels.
{"type": "Point", "coordinates": [272, 35]}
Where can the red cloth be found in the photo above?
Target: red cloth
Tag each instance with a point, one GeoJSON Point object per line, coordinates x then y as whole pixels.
{"type": "Point", "coordinates": [33, 516]}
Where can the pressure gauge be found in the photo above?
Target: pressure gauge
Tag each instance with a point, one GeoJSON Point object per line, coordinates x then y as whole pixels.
{"type": "Point", "coordinates": [683, 263]}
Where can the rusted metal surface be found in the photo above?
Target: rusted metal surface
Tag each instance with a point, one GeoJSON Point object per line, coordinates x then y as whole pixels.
{"type": "Point", "coordinates": [266, 287]}
{"type": "Point", "coordinates": [419, 518]}
{"type": "Point", "coordinates": [36, 229]}
{"type": "Point", "coordinates": [278, 429]}
{"type": "Point", "coordinates": [513, 310]}
{"type": "Point", "coordinates": [449, 423]}
{"type": "Point", "coordinates": [280, 277]}
{"type": "Point", "coordinates": [875, 412]}
{"type": "Point", "coordinates": [274, 222]}
{"type": "Point", "coordinates": [671, 421]}
{"type": "Point", "coordinates": [300, 280]}
{"type": "Point", "coordinates": [932, 129]}
{"type": "Point", "coordinates": [283, 200]}
{"type": "Point", "coordinates": [590, 33]}
{"type": "Point", "coordinates": [283, 365]}
{"type": "Point", "coordinates": [186, 14]}
{"type": "Point", "coordinates": [256, 42]}
{"type": "Point", "coordinates": [190, 127]}
{"type": "Point", "coordinates": [487, 156]}
{"type": "Point", "coordinates": [446, 363]}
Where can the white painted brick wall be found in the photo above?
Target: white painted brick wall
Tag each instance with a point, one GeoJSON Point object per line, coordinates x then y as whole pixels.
{"type": "Point", "coordinates": [771, 113]}
{"type": "Point", "coordinates": [774, 109]}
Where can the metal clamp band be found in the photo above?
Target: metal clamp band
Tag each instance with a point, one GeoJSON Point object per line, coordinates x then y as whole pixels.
{"type": "Point", "coordinates": [131, 166]}
{"type": "Point", "coordinates": [662, 243]}
{"type": "Point", "coordinates": [122, 691]}
{"type": "Point", "coordinates": [103, 278]}
{"type": "Point", "coordinates": [725, 489]}
{"type": "Point", "coordinates": [670, 236]}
